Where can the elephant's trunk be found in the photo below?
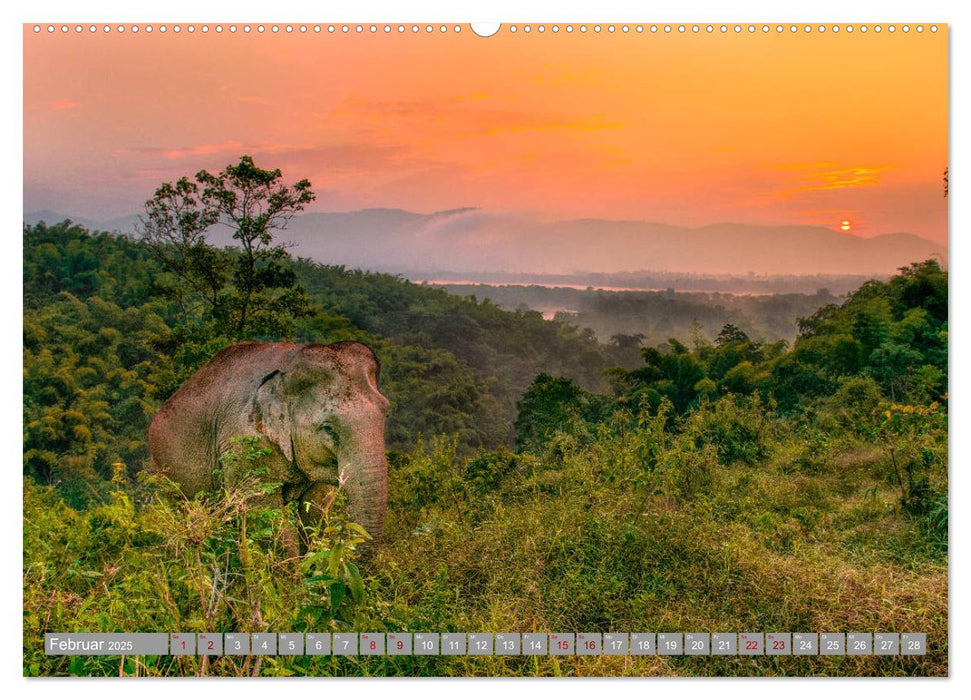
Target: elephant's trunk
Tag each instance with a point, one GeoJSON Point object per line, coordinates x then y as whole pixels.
{"type": "Point", "coordinates": [364, 478]}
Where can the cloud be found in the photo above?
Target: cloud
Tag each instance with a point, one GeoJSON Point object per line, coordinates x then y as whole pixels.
{"type": "Point", "coordinates": [205, 149]}
{"type": "Point", "coordinates": [831, 213]}
{"type": "Point", "coordinates": [180, 152]}
{"type": "Point", "coordinates": [252, 99]}
{"type": "Point", "coordinates": [58, 105]}
{"type": "Point", "coordinates": [830, 176]}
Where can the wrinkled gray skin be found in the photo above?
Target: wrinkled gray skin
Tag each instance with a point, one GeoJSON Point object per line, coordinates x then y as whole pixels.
{"type": "Point", "coordinates": [317, 407]}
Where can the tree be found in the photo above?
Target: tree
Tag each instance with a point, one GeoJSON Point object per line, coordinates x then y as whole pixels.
{"type": "Point", "coordinates": [626, 341]}
{"type": "Point", "coordinates": [730, 333]}
{"type": "Point", "coordinates": [247, 293]}
{"type": "Point", "coordinates": [548, 405]}
{"type": "Point", "coordinates": [625, 349]}
{"type": "Point", "coordinates": [921, 285]}
{"type": "Point", "coordinates": [673, 374]}
{"type": "Point", "coordinates": [732, 348]}
{"type": "Point", "coordinates": [893, 365]}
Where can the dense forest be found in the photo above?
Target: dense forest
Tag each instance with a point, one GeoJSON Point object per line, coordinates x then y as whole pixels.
{"type": "Point", "coordinates": [539, 478]}
{"type": "Point", "coordinates": [104, 345]}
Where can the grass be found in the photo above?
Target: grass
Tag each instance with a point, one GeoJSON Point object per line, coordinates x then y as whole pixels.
{"type": "Point", "coordinates": [619, 529]}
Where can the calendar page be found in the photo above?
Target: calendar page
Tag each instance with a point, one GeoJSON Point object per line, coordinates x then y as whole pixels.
{"type": "Point", "coordinates": [537, 349]}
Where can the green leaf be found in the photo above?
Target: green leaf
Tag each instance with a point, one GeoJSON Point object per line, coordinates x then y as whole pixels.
{"type": "Point", "coordinates": [320, 580]}
{"type": "Point", "coordinates": [355, 582]}
{"type": "Point", "coordinates": [336, 590]}
{"type": "Point", "coordinates": [311, 617]}
{"type": "Point", "coordinates": [358, 529]}
{"type": "Point", "coordinates": [314, 559]}
{"type": "Point", "coordinates": [333, 562]}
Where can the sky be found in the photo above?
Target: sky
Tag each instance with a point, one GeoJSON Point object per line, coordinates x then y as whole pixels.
{"type": "Point", "coordinates": [686, 129]}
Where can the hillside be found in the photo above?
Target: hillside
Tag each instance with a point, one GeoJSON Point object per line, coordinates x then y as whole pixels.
{"type": "Point", "coordinates": [533, 485]}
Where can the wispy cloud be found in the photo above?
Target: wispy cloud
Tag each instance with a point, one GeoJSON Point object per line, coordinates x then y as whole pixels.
{"type": "Point", "coordinates": [830, 213]}
{"type": "Point", "coordinates": [823, 176]}
{"type": "Point", "coordinates": [204, 149]}
{"type": "Point", "coordinates": [58, 105]}
{"type": "Point", "coordinates": [180, 152]}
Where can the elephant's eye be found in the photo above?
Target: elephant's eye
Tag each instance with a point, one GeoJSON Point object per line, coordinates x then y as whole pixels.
{"type": "Point", "coordinates": [329, 430]}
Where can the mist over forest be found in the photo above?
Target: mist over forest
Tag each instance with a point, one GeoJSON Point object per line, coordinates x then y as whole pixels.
{"type": "Point", "coordinates": [654, 317]}
{"type": "Point", "coordinates": [471, 240]}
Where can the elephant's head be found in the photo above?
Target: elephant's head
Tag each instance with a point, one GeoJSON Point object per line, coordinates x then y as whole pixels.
{"type": "Point", "coordinates": [322, 407]}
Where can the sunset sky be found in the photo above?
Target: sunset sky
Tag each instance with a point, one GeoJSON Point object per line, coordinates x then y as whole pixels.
{"type": "Point", "coordinates": [687, 129]}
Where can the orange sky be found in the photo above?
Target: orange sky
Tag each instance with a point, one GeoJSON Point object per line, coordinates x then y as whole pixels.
{"type": "Point", "coordinates": [679, 128]}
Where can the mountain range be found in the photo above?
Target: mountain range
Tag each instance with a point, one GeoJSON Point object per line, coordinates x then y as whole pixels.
{"type": "Point", "coordinates": [473, 240]}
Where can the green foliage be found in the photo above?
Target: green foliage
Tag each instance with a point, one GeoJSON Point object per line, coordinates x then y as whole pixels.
{"type": "Point", "coordinates": [250, 293]}
{"type": "Point", "coordinates": [652, 523]}
{"type": "Point", "coordinates": [90, 377]}
{"type": "Point", "coordinates": [432, 393]}
{"type": "Point", "coordinates": [426, 476]}
{"type": "Point", "coordinates": [67, 258]}
{"type": "Point", "coordinates": [854, 408]}
{"type": "Point", "coordinates": [439, 382]}
{"type": "Point", "coordinates": [736, 427]}
{"type": "Point", "coordinates": [333, 580]}
{"type": "Point", "coordinates": [504, 350]}
{"type": "Point", "coordinates": [734, 484]}
{"type": "Point", "coordinates": [551, 404]}
{"type": "Point", "coordinates": [894, 332]}
{"type": "Point", "coordinates": [147, 559]}
{"type": "Point", "coordinates": [919, 460]}
{"type": "Point", "coordinates": [671, 372]}
{"type": "Point", "coordinates": [487, 470]}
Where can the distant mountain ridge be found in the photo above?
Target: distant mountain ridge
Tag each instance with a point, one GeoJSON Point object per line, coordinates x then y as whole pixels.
{"type": "Point", "coordinates": [472, 240]}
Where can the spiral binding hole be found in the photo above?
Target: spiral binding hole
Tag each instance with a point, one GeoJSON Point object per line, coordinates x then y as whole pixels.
{"type": "Point", "coordinates": [512, 29]}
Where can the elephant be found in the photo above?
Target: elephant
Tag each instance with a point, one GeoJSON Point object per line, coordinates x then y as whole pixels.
{"type": "Point", "coordinates": [317, 408]}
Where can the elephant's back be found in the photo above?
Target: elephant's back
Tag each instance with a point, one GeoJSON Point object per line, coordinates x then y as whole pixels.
{"type": "Point", "coordinates": [230, 371]}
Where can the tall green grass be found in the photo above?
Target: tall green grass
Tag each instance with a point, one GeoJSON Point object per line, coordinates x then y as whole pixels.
{"type": "Point", "coordinates": [729, 519]}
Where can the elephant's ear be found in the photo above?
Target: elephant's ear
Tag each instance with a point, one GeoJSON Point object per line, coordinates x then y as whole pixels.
{"type": "Point", "coordinates": [270, 413]}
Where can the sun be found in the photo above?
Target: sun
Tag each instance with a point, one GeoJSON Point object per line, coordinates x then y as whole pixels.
{"type": "Point", "coordinates": [845, 225]}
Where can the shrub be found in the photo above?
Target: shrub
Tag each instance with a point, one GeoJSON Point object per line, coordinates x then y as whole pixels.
{"type": "Point", "coordinates": [737, 426]}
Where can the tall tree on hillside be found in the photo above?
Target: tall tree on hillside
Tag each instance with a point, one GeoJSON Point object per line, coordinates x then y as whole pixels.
{"type": "Point", "coordinates": [245, 294]}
